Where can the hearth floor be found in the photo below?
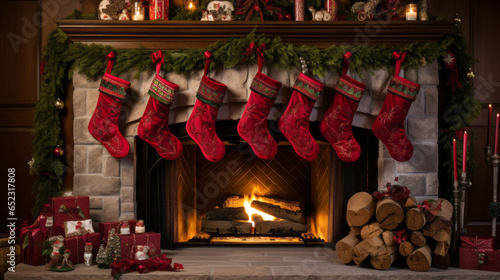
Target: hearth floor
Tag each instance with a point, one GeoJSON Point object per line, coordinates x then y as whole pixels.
{"type": "Point", "coordinates": [255, 263]}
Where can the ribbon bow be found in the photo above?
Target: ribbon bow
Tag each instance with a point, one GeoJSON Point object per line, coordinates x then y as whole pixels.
{"type": "Point", "coordinates": [160, 263]}
{"type": "Point", "coordinates": [75, 210]}
{"type": "Point", "coordinates": [258, 50]}
{"type": "Point", "coordinates": [157, 57]}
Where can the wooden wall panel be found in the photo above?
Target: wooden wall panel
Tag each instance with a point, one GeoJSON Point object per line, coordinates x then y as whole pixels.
{"type": "Point", "coordinates": [19, 56]}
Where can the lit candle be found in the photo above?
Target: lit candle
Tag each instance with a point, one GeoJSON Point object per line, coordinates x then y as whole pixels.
{"type": "Point", "coordinates": [464, 154]}
{"type": "Point", "coordinates": [411, 12]}
{"type": "Point", "coordinates": [455, 177]}
{"type": "Point", "coordinates": [496, 135]}
{"type": "Point", "coordinates": [488, 128]}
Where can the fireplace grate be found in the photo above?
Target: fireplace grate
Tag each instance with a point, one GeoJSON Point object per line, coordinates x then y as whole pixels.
{"type": "Point", "coordinates": [256, 238]}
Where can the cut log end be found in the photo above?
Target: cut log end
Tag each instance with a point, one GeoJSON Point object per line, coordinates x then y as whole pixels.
{"type": "Point", "coordinates": [389, 213]}
{"type": "Point", "coordinates": [420, 259]}
{"type": "Point", "coordinates": [360, 208]}
{"type": "Point", "coordinates": [344, 247]}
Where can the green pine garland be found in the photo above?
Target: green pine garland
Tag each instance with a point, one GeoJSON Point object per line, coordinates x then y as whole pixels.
{"type": "Point", "coordinates": [62, 58]}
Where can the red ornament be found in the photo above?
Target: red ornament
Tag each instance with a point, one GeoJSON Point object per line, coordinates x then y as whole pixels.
{"type": "Point", "coordinates": [58, 152]}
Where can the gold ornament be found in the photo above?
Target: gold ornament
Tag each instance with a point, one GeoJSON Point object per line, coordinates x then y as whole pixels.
{"type": "Point", "coordinates": [59, 104]}
{"type": "Point", "coordinates": [470, 74]}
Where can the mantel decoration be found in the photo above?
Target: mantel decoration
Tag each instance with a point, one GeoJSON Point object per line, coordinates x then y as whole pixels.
{"type": "Point", "coordinates": [61, 58]}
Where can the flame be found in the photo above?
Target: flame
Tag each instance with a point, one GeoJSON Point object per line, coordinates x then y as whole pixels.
{"type": "Point", "coordinates": [190, 5]}
{"type": "Point", "coordinates": [250, 211]}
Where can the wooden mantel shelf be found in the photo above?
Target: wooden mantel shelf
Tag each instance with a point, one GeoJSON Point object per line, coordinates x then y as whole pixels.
{"type": "Point", "coordinates": [177, 34]}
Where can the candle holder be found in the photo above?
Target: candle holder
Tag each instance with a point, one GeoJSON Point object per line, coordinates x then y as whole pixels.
{"type": "Point", "coordinates": [493, 160]}
{"type": "Point", "coordinates": [464, 184]}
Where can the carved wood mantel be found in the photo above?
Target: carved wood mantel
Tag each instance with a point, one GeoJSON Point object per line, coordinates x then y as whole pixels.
{"type": "Point", "coordinates": [178, 34]}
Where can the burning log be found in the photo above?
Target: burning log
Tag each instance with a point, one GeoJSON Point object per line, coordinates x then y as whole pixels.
{"type": "Point", "coordinates": [227, 214]}
{"type": "Point", "coordinates": [360, 208]}
{"type": "Point", "coordinates": [344, 247]}
{"type": "Point", "coordinates": [418, 239]}
{"type": "Point", "coordinates": [389, 213]}
{"type": "Point", "coordinates": [276, 211]}
{"type": "Point", "coordinates": [415, 219]}
{"type": "Point", "coordinates": [225, 227]}
{"type": "Point", "coordinates": [279, 226]}
{"type": "Point", "coordinates": [239, 201]}
{"type": "Point", "coordinates": [420, 259]}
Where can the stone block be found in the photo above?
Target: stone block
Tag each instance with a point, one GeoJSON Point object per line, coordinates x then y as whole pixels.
{"type": "Point", "coordinates": [433, 184]}
{"type": "Point", "coordinates": [363, 120]}
{"type": "Point", "coordinates": [81, 133]}
{"type": "Point", "coordinates": [236, 80]}
{"type": "Point", "coordinates": [377, 82]}
{"type": "Point", "coordinates": [96, 216]}
{"type": "Point", "coordinates": [194, 80]}
{"type": "Point", "coordinates": [423, 128]}
{"type": "Point", "coordinates": [95, 202]}
{"type": "Point", "coordinates": [130, 129]}
{"type": "Point", "coordinates": [131, 144]}
{"type": "Point", "coordinates": [376, 106]}
{"type": "Point", "coordinates": [330, 79]}
{"type": "Point", "coordinates": [178, 79]}
{"type": "Point", "coordinates": [129, 216]}
{"type": "Point", "coordinates": [293, 73]}
{"type": "Point", "coordinates": [95, 158]}
{"type": "Point", "coordinates": [81, 81]}
{"type": "Point", "coordinates": [276, 112]}
{"type": "Point", "coordinates": [179, 115]}
{"type": "Point", "coordinates": [415, 183]}
{"type": "Point", "coordinates": [382, 151]}
{"type": "Point", "coordinates": [93, 184]}
{"type": "Point", "coordinates": [111, 166]}
{"type": "Point", "coordinates": [224, 112]}
{"type": "Point", "coordinates": [111, 208]}
{"type": "Point", "coordinates": [80, 159]}
{"type": "Point", "coordinates": [128, 207]}
{"type": "Point", "coordinates": [410, 74]}
{"type": "Point", "coordinates": [92, 97]}
{"type": "Point", "coordinates": [386, 172]}
{"type": "Point", "coordinates": [431, 101]}
{"type": "Point", "coordinates": [127, 194]}
{"type": "Point", "coordinates": [146, 80]}
{"type": "Point", "coordinates": [417, 106]}
{"type": "Point", "coordinates": [127, 161]}
{"type": "Point", "coordinates": [133, 107]}
{"type": "Point", "coordinates": [424, 159]}
{"type": "Point", "coordinates": [79, 102]}
{"type": "Point", "coordinates": [428, 74]}
{"type": "Point", "coordinates": [127, 175]}
{"type": "Point", "coordinates": [365, 104]}
{"type": "Point", "coordinates": [135, 85]}
{"type": "Point", "coordinates": [283, 96]}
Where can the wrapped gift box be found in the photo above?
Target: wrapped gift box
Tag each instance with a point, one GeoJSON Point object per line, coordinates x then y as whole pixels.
{"type": "Point", "coordinates": [477, 242]}
{"type": "Point", "coordinates": [32, 253]}
{"type": "Point", "coordinates": [158, 9]}
{"type": "Point", "coordinates": [71, 208]}
{"type": "Point", "coordinates": [77, 246]}
{"type": "Point", "coordinates": [130, 241]}
{"type": "Point", "coordinates": [473, 258]}
{"type": "Point", "coordinates": [104, 228]}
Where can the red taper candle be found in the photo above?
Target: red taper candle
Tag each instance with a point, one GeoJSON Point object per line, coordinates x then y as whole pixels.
{"type": "Point", "coordinates": [496, 136]}
{"type": "Point", "coordinates": [464, 154]}
{"type": "Point", "coordinates": [455, 175]}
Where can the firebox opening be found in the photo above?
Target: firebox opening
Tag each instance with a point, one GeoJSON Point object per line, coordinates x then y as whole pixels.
{"type": "Point", "coordinates": [194, 201]}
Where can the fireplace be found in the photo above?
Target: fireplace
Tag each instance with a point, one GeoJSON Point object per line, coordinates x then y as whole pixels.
{"type": "Point", "coordinates": [117, 189]}
{"type": "Point", "coordinates": [175, 196]}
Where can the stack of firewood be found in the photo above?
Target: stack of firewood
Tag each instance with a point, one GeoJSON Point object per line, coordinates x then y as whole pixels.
{"type": "Point", "coordinates": [391, 225]}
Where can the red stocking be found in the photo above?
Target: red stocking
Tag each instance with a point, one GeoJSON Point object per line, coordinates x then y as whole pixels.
{"type": "Point", "coordinates": [336, 124]}
{"type": "Point", "coordinates": [153, 127]}
{"type": "Point", "coordinates": [201, 124]}
{"type": "Point", "coordinates": [253, 124]}
{"type": "Point", "coordinates": [104, 122]}
{"type": "Point", "coordinates": [389, 125]}
{"type": "Point", "coordinates": [294, 124]}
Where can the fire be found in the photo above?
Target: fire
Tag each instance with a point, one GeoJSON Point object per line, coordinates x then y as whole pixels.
{"type": "Point", "coordinates": [250, 211]}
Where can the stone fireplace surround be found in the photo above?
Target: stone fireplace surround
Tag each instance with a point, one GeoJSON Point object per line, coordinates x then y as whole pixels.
{"type": "Point", "coordinates": [110, 182]}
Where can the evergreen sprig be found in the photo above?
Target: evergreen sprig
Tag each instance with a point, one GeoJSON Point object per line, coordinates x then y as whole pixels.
{"type": "Point", "coordinates": [90, 60]}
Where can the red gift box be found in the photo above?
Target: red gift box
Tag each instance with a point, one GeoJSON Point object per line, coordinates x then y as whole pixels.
{"type": "Point", "coordinates": [32, 253]}
{"type": "Point", "coordinates": [481, 259]}
{"type": "Point", "coordinates": [158, 9]}
{"type": "Point", "coordinates": [77, 246]}
{"type": "Point", "coordinates": [477, 242]}
{"type": "Point", "coordinates": [130, 241]}
{"type": "Point", "coordinates": [71, 208]}
{"type": "Point", "coordinates": [104, 229]}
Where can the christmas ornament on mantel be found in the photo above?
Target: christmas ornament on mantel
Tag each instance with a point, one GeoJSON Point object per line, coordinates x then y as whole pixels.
{"type": "Point", "coordinates": [390, 224]}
